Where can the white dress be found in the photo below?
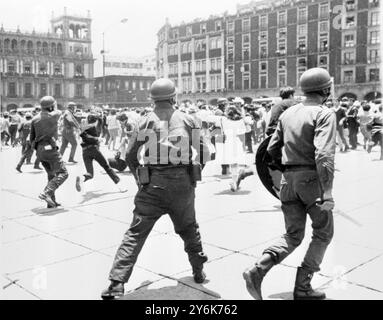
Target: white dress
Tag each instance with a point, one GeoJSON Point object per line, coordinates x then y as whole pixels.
{"type": "Point", "coordinates": [233, 151]}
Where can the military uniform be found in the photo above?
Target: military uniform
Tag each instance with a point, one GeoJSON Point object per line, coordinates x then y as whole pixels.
{"type": "Point", "coordinates": [303, 144]}
{"type": "Point", "coordinates": [44, 137]}
{"type": "Point", "coordinates": [170, 190]}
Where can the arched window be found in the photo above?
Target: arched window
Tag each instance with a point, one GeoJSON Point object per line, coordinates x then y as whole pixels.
{"type": "Point", "coordinates": [38, 47]}
{"type": "Point", "coordinates": [45, 48]}
{"type": "Point", "coordinates": [30, 47]}
{"type": "Point", "coordinates": [7, 44]}
{"type": "Point", "coordinates": [53, 49]}
{"type": "Point", "coordinates": [59, 49]}
{"type": "Point", "coordinates": [14, 45]}
{"type": "Point", "coordinates": [23, 46]}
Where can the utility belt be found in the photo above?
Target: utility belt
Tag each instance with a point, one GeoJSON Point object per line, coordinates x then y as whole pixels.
{"type": "Point", "coordinates": [90, 146]}
{"type": "Point", "coordinates": [299, 167]}
{"type": "Point", "coordinates": [47, 143]}
{"type": "Point", "coordinates": [144, 172]}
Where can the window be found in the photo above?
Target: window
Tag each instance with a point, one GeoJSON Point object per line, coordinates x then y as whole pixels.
{"type": "Point", "coordinates": [282, 33]}
{"type": "Point", "coordinates": [213, 64]}
{"type": "Point", "coordinates": [57, 93]}
{"type": "Point", "coordinates": [11, 67]}
{"type": "Point", "coordinates": [230, 26]}
{"type": "Point", "coordinates": [12, 89]}
{"type": "Point", "coordinates": [302, 30]}
{"type": "Point", "coordinates": [263, 36]}
{"type": "Point", "coordinates": [27, 90]}
{"type": "Point", "coordinates": [302, 62]}
{"type": "Point", "coordinates": [246, 67]}
{"type": "Point", "coordinates": [263, 51]}
{"type": "Point", "coordinates": [323, 11]}
{"type": "Point", "coordinates": [302, 15]}
{"type": "Point", "coordinates": [374, 74]}
{"type": "Point", "coordinates": [373, 3]}
{"type": "Point", "coordinates": [246, 25]}
{"type": "Point", "coordinates": [282, 18]}
{"type": "Point", "coordinates": [215, 43]}
{"type": "Point", "coordinates": [188, 31]}
{"type": "Point", "coordinates": [323, 60]}
{"type": "Point", "coordinates": [230, 82]}
{"type": "Point", "coordinates": [245, 38]}
{"type": "Point", "coordinates": [43, 69]}
{"type": "Point", "coordinates": [186, 67]}
{"type": "Point", "coordinates": [282, 80]}
{"type": "Point", "coordinates": [374, 19]}
{"type": "Point", "coordinates": [245, 51]}
{"type": "Point", "coordinates": [203, 65]}
{"type": "Point", "coordinates": [79, 90]}
{"type": "Point", "coordinates": [27, 68]}
{"type": "Point", "coordinates": [349, 40]}
{"type": "Point", "coordinates": [203, 28]}
{"type": "Point", "coordinates": [374, 37]}
{"type": "Point", "coordinates": [349, 57]}
{"type": "Point", "coordinates": [142, 85]}
{"type": "Point", "coordinates": [323, 26]}
{"type": "Point", "coordinates": [218, 25]}
{"type": "Point", "coordinates": [173, 68]}
{"type": "Point", "coordinates": [175, 33]}
{"type": "Point", "coordinates": [230, 49]}
{"type": "Point", "coordinates": [200, 45]}
{"type": "Point", "coordinates": [350, 21]}
{"type": "Point", "coordinates": [263, 22]}
{"type": "Point", "coordinates": [373, 56]}
{"type": "Point", "coordinates": [215, 82]}
{"type": "Point", "coordinates": [201, 83]}
{"type": "Point", "coordinates": [302, 45]}
{"type": "Point", "coordinates": [281, 47]}
{"type": "Point", "coordinates": [281, 65]}
{"type": "Point", "coordinates": [348, 76]}
{"type": "Point", "coordinates": [263, 66]}
{"type": "Point", "coordinates": [57, 69]}
{"type": "Point", "coordinates": [323, 44]}
{"type": "Point", "coordinates": [246, 82]}
{"type": "Point", "coordinates": [43, 89]}
{"type": "Point", "coordinates": [230, 68]}
{"type": "Point", "coordinates": [78, 72]}
{"type": "Point", "coordinates": [263, 81]}
{"type": "Point", "coordinates": [350, 5]}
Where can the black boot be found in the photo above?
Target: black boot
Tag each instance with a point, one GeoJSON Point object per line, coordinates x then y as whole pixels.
{"type": "Point", "coordinates": [303, 289]}
{"type": "Point", "coordinates": [243, 173]}
{"type": "Point", "coordinates": [48, 199]}
{"type": "Point", "coordinates": [254, 276]}
{"type": "Point", "coordinates": [18, 168]}
{"type": "Point", "coordinates": [115, 290]}
{"type": "Point", "coordinates": [197, 266]}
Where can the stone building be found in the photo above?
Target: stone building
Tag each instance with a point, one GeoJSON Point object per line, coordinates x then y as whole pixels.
{"type": "Point", "coordinates": [58, 63]}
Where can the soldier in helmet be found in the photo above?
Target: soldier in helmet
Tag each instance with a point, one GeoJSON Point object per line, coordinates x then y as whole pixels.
{"type": "Point", "coordinates": [44, 136]}
{"type": "Point", "coordinates": [166, 184]}
{"type": "Point", "coordinates": [304, 144]}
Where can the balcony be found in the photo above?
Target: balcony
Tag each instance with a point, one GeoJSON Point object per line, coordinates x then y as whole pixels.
{"type": "Point", "coordinates": [281, 52]}
{"type": "Point", "coordinates": [11, 74]}
{"type": "Point", "coordinates": [44, 75]}
{"type": "Point", "coordinates": [27, 74]}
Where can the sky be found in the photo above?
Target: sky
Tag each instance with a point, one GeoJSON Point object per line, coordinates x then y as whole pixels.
{"type": "Point", "coordinates": [137, 37]}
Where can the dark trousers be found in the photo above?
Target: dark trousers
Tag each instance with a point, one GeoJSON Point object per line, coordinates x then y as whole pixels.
{"type": "Point", "coordinates": [106, 135]}
{"type": "Point", "coordinates": [12, 133]}
{"type": "Point", "coordinates": [26, 154]}
{"type": "Point", "coordinates": [169, 192]}
{"type": "Point", "coordinates": [54, 166]}
{"type": "Point", "coordinates": [91, 153]}
{"type": "Point", "coordinates": [353, 136]}
{"type": "Point", "coordinates": [299, 191]}
{"type": "Point", "coordinates": [68, 136]}
{"type": "Point", "coordinates": [5, 137]}
{"type": "Point", "coordinates": [248, 142]}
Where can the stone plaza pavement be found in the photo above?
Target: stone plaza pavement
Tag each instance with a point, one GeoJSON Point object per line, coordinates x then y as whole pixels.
{"type": "Point", "coordinates": [67, 253]}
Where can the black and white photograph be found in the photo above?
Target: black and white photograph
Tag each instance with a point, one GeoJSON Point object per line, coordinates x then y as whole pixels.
{"type": "Point", "coordinates": [211, 151]}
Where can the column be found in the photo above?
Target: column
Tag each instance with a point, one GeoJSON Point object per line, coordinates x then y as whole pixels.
{"type": "Point", "coordinates": [179, 64]}
{"type": "Point", "coordinates": [208, 84]}
{"type": "Point", "coordinates": [193, 80]}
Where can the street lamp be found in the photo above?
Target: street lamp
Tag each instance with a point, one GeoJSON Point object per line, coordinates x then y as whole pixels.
{"type": "Point", "coordinates": [103, 59]}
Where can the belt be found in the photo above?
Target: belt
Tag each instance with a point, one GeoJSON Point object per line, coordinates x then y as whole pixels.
{"type": "Point", "coordinates": [299, 167]}
{"type": "Point", "coordinates": [167, 167]}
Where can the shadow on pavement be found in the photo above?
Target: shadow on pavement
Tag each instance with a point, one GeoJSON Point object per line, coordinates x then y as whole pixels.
{"type": "Point", "coordinates": [94, 195]}
{"type": "Point", "coordinates": [231, 193]}
{"type": "Point", "coordinates": [177, 292]}
{"type": "Point", "coordinates": [48, 212]}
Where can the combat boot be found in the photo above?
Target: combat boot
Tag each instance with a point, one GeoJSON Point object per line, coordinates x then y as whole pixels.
{"type": "Point", "coordinates": [254, 276]}
{"type": "Point", "coordinates": [198, 273]}
{"type": "Point", "coordinates": [303, 289]}
{"type": "Point", "coordinates": [18, 168]}
{"type": "Point", "coordinates": [115, 290]}
{"type": "Point", "coordinates": [243, 173]}
{"type": "Point", "coordinates": [48, 199]}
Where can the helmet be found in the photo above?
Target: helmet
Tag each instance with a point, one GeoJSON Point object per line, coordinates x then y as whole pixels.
{"type": "Point", "coordinates": [238, 100]}
{"type": "Point", "coordinates": [28, 115]}
{"type": "Point", "coordinates": [221, 101]}
{"type": "Point", "coordinates": [162, 89]}
{"type": "Point", "coordinates": [315, 79]}
{"type": "Point", "coordinates": [92, 117]}
{"type": "Point", "coordinates": [71, 106]}
{"type": "Point", "coordinates": [47, 102]}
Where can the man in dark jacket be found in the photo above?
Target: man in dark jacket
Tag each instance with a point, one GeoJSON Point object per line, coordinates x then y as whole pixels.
{"type": "Point", "coordinates": [68, 135]}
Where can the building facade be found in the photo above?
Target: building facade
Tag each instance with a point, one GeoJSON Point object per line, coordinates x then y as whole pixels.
{"type": "Point", "coordinates": [123, 91]}
{"type": "Point", "coordinates": [267, 45]}
{"type": "Point", "coordinates": [126, 66]}
{"type": "Point", "coordinates": [58, 63]}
